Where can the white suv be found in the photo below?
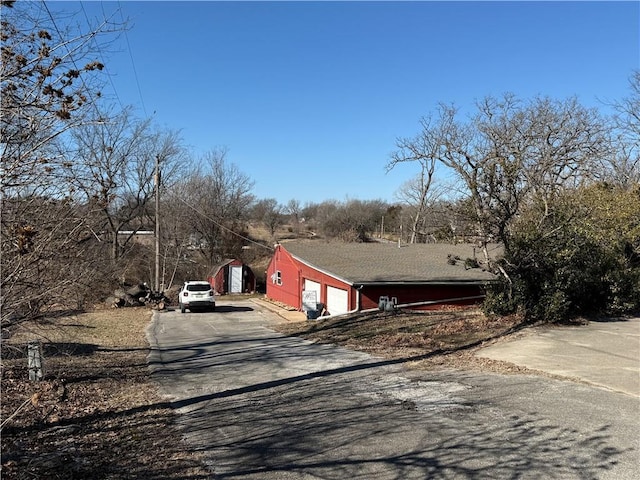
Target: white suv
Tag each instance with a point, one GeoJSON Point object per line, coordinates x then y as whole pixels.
{"type": "Point", "coordinates": [198, 294]}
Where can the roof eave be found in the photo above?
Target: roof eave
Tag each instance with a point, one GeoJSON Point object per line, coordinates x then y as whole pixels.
{"type": "Point", "coordinates": [424, 282]}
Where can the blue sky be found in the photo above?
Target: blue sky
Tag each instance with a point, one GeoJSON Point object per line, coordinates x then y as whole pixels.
{"type": "Point", "coordinates": [310, 97]}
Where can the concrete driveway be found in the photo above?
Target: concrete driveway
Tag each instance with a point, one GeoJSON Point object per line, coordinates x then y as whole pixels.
{"type": "Point", "coordinates": [263, 406]}
{"type": "Point", "coordinates": [606, 354]}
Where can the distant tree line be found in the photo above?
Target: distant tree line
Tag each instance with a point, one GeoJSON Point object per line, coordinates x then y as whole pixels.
{"type": "Point", "coordinates": [555, 183]}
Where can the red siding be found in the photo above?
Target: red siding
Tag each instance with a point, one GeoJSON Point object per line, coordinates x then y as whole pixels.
{"type": "Point", "coordinates": [292, 274]}
{"type": "Point", "coordinates": [289, 290]}
{"type": "Point", "coordinates": [218, 282]}
{"type": "Point", "coordinates": [419, 293]}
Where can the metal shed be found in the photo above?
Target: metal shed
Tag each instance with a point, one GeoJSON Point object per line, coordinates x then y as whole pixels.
{"type": "Point", "coordinates": [232, 276]}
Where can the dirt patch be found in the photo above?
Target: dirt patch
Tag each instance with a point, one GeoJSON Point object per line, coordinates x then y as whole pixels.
{"type": "Point", "coordinates": [95, 415]}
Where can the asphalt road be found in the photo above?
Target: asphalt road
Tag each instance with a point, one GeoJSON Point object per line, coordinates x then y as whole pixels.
{"type": "Point", "coordinates": [264, 406]}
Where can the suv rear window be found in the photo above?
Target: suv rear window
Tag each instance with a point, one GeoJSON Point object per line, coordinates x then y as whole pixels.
{"type": "Point", "coordinates": [199, 288]}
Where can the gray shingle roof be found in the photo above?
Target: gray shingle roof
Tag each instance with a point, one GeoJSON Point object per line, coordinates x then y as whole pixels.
{"type": "Point", "coordinates": [386, 262]}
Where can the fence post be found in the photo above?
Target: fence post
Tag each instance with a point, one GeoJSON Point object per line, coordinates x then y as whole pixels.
{"type": "Point", "coordinates": [34, 356]}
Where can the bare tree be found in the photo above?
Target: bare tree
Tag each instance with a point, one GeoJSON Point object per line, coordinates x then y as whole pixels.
{"type": "Point", "coordinates": [419, 200]}
{"type": "Point", "coordinates": [458, 146]}
{"type": "Point", "coordinates": [294, 210]}
{"type": "Point", "coordinates": [269, 212]}
{"type": "Point", "coordinates": [216, 197]}
{"type": "Point", "coordinates": [509, 152]}
{"type": "Point", "coordinates": [622, 167]}
{"type": "Point", "coordinates": [49, 83]}
{"type": "Point", "coordinates": [421, 149]}
{"type": "Point", "coordinates": [419, 193]}
{"type": "Point", "coordinates": [175, 234]}
{"type": "Point", "coordinates": [113, 172]}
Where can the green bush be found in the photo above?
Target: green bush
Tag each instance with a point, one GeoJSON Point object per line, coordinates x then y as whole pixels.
{"type": "Point", "coordinates": [580, 260]}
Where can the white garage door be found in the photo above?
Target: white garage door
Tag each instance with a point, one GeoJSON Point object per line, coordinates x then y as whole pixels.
{"type": "Point", "coordinates": [337, 300]}
{"type": "Point", "coordinates": [311, 286]}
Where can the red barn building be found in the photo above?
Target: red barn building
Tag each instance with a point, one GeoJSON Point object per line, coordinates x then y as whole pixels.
{"type": "Point", "coordinates": [348, 277]}
{"type": "Point", "coordinates": [232, 276]}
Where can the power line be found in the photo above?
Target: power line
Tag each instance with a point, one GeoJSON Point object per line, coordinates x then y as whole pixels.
{"type": "Point", "coordinates": [219, 224]}
{"type": "Point", "coordinates": [102, 58]}
{"type": "Point", "coordinates": [133, 63]}
{"type": "Point", "coordinates": [73, 60]}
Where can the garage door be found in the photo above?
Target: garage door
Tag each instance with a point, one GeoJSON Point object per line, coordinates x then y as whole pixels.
{"type": "Point", "coordinates": [337, 300]}
{"type": "Point", "coordinates": [311, 286]}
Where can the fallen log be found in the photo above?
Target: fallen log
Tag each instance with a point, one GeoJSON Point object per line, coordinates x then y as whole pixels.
{"type": "Point", "coordinates": [138, 291]}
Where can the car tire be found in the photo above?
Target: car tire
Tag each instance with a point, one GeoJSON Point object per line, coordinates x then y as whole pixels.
{"type": "Point", "coordinates": [213, 308]}
{"type": "Point", "coordinates": [182, 309]}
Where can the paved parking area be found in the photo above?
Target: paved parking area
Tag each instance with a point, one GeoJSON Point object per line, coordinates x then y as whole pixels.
{"type": "Point", "coordinates": [606, 354]}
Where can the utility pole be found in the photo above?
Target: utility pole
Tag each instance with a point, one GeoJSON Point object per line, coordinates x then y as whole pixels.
{"type": "Point", "coordinates": [157, 185]}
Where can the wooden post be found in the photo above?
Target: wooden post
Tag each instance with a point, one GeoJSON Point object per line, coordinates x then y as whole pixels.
{"type": "Point", "coordinates": [157, 199]}
{"type": "Point", "coordinates": [34, 358]}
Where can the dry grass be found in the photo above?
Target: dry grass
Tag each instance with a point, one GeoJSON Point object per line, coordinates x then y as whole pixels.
{"type": "Point", "coordinates": [427, 340]}
{"type": "Point", "coordinates": [96, 414]}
